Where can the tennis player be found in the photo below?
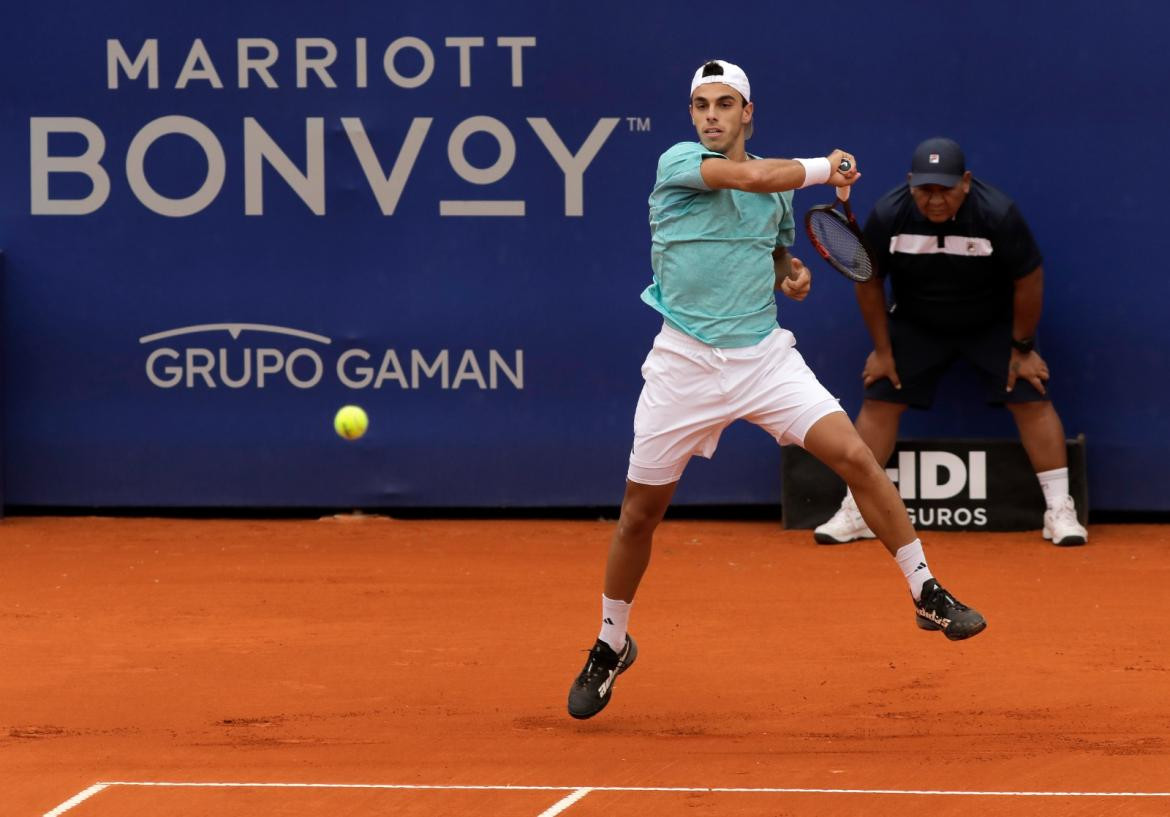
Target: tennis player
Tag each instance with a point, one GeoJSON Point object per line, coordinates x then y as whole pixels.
{"type": "Point", "coordinates": [721, 222]}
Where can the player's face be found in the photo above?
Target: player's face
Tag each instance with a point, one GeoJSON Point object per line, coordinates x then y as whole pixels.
{"type": "Point", "coordinates": [939, 203]}
{"type": "Point", "coordinates": [720, 116]}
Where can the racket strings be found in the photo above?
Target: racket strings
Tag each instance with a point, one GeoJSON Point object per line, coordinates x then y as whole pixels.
{"type": "Point", "coordinates": [841, 243]}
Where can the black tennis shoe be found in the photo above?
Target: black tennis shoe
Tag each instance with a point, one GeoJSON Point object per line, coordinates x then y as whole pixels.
{"type": "Point", "coordinates": [594, 686]}
{"type": "Point", "coordinates": [939, 610]}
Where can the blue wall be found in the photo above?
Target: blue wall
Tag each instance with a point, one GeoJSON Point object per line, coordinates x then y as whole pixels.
{"type": "Point", "coordinates": [1066, 113]}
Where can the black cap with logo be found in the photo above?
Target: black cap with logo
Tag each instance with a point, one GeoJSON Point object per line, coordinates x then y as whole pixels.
{"type": "Point", "coordinates": [937, 161]}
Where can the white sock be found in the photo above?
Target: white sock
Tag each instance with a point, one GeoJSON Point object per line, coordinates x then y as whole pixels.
{"type": "Point", "coordinates": [1054, 484]}
{"type": "Point", "coordinates": [615, 618]}
{"type": "Point", "coordinates": [913, 563]}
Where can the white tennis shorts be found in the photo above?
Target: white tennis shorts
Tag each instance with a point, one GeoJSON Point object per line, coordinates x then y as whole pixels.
{"type": "Point", "coordinates": [693, 391]}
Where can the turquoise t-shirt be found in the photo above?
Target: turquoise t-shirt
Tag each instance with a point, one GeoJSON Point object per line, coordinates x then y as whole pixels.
{"type": "Point", "coordinates": [711, 251]}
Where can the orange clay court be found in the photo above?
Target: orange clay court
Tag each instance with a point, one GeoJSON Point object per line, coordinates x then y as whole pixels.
{"type": "Point", "coordinates": [373, 666]}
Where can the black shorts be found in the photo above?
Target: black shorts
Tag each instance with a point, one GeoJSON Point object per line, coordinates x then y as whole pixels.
{"type": "Point", "coordinates": [922, 357]}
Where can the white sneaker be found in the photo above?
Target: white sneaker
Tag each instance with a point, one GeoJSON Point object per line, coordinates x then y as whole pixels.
{"type": "Point", "coordinates": [846, 525]}
{"type": "Point", "coordinates": [1061, 525]}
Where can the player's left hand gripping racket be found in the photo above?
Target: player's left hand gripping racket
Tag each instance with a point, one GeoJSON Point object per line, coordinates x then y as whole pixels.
{"type": "Point", "coordinates": [835, 235]}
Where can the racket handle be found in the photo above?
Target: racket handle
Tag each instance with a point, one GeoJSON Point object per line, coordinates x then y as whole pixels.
{"type": "Point", "coordinates": [844, 167]}
{"type": "Point", "coordinates": [843, 192]}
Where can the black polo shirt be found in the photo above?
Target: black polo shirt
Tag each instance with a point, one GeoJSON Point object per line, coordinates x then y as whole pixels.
{"type": "Point", "coordinates": [956, 276]}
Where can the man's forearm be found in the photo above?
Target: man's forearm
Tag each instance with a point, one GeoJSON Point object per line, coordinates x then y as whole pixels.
{"type": "Point", "coordinates": [871, 297]}
{"type": "Point", "coordinates": [778, 175]}
{"type": "Point", "coordinates": [1027, 303]}
{"type": "Point", "coordinates": [769, 175]}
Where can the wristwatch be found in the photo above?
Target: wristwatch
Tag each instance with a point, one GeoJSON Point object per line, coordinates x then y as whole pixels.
{"type": "Point", "coordinates": [1024, 346]}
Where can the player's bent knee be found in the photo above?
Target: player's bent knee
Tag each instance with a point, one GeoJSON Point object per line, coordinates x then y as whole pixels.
{"type": "Point", "coordinates": [857, 463]}
{"type": "Point", "coordinates": [636, 529]}
{"type": "Point", "coordinates": [643, 507]}
{"type": "Point", "coordinates": [638, 524]}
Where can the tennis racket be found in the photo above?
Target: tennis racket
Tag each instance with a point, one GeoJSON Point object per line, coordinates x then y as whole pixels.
{"type": "Point", "coordinates": [835, 235]}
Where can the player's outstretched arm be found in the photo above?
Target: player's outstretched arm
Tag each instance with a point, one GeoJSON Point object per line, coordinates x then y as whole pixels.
{"type": "Point", "coordinates": [778, 175]}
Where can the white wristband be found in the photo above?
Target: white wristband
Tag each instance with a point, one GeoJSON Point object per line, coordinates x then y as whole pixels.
{"type": "Point", "coordinates": [816, 171]}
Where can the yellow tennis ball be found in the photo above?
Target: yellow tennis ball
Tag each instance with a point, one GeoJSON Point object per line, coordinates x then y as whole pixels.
{"type": "Point", "coordinates": [351, 422]}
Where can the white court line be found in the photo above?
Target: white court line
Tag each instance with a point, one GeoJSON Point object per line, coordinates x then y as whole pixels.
{"type": "Point", "coordinates": [587, 789]}
{"type": "Point", "coordinates": [577, 792]}
{"type": "Point", "coordinates": [562, 804]}
{"type": "Point", "coordinates": [81, 797]}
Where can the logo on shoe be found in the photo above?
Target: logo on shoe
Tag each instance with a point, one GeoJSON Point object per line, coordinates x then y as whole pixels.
{"type": "Point", "coordinates": [937, 619]}
{"type": "Point", "coordinates": [604, 688]}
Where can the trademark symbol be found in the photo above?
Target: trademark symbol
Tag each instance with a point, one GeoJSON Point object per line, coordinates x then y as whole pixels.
{"type": "Point", "coordinates": [638, 124]}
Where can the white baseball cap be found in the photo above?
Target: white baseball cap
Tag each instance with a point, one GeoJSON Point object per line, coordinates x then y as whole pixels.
{"type": "Point", "coordinates": [730, 74]}
{"type": "Point", "coordinates": [726, 72]}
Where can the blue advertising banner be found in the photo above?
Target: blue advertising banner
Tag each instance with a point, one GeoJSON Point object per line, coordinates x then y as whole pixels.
{"type": "Point", "coordinates": [224, 221]}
